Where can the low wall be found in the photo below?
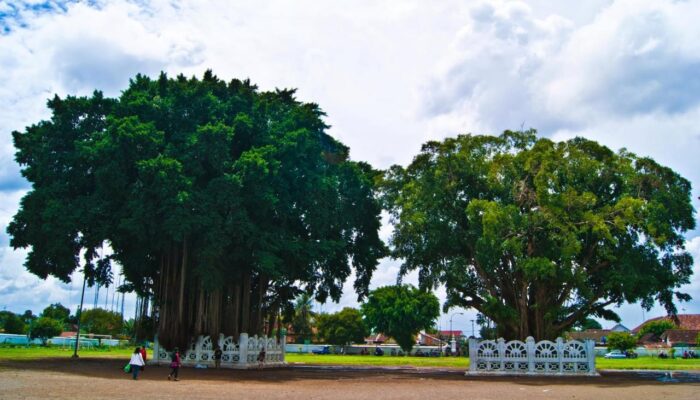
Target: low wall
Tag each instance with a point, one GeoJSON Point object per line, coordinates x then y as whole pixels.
{"type": "Point", "coordinates": [239, 355]}
{"type": "Point", "coordinates": [560, 357]}
{"type": "Point", "coordinates": [6, 338]}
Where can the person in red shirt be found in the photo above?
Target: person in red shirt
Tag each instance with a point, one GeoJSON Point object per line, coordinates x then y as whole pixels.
{"type": "Point", "coordinates": [175, 364]}
{"type": "Point", "coordinates": [143, 355]}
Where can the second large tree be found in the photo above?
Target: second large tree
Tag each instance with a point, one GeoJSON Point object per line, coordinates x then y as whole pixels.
{"type": "Point", "coordinates": [537, 235]}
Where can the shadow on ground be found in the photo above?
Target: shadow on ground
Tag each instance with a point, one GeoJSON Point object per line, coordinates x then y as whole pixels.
{"type": "Point", "coordinates": [112, 369]}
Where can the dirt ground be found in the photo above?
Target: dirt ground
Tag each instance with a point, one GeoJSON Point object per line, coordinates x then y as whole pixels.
{"type": "Point", "coordinates": [103, 379]}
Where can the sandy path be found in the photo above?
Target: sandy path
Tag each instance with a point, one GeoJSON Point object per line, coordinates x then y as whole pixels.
{"type": "Point", "coordinates": [102, 379]}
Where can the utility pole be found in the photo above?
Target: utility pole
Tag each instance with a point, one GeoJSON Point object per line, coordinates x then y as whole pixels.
{"type": "Point", "coordinates": [80, 311]}
{"type": "Point", "coordinates": [453, 344]}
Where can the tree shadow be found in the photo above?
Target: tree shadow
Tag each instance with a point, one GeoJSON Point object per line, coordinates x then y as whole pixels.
{"type": "Point", "coordinates": [113, 369]}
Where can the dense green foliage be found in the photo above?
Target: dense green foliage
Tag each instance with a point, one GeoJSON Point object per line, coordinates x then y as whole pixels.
{"type": "Point", "coordinates": [539, 235]}
{"type": "Point", "coordinates": [302, 319]}
{"type": "Point", "coordinates": [342, 328]}
{"type": "Point", "coordinates": [622, 341]}
{"type": "Point", "coordinates": [400, 312]}
{"type": "Point", "coordinates": [102, 322]}
{"type": "Point", "coordinates": [45, 328]}
{"type": "Point", "coordinates": [222, 203]}
{"type": "Point", "coordinates": [588, 323]}
{"type": "Point", "coordinates": [657, 327]}
{"type": "Point", "coordinates": [12, 323]}
{"type": "Point", "coordinates": [57, 311]}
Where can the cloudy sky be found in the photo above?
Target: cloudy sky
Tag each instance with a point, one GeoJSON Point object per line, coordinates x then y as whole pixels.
{"type": "Point", "coordinates": [390, 75]}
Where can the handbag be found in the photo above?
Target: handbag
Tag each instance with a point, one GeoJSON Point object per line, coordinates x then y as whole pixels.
{"type": "Point", "coordinates": [127, 368]}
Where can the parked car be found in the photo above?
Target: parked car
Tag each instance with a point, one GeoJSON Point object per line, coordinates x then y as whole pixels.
{"type": "Point", "coordinates": [324, 350]}
{"type": "Point", "coordinates": [615, 354]}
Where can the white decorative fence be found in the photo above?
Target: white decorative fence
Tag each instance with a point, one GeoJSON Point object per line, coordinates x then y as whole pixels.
{"type": "Point", "coordinates": [529, 357]}
{"type": "Point", "coordinates": [243, 354]}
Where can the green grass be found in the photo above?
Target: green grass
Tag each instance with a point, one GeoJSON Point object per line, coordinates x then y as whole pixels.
{"type": "Point", "coordinates": [32, 353]}
{"type": "Point", "coordinates": [385, 360]}
{"type": "Point", "coordinates": [648, 363]}
{"type": "Point", "coordinates": [460, 362]}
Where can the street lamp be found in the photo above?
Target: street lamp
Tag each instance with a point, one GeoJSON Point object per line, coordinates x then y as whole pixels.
{"type": "Point", "coordinates": [472, 328]}
{"type": "Point", "coordinates": [453, 345]}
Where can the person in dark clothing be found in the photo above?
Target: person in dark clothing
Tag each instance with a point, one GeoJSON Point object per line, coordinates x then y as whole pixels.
{"type": "Point", "coordinates": [217, 357]}
{"type": "Point", "coordinates": [175, 364]}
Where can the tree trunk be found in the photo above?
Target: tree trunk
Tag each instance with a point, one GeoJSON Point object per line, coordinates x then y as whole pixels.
{"type": "Point", "coordinates": [245, 303]}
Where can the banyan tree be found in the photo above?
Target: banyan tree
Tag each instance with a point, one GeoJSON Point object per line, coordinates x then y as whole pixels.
{"type": "Point", "coordinates": [221, 202]}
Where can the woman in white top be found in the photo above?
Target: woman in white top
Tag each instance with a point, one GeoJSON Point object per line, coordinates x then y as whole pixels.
{"type": "Point", "coordinates": [136, 362]}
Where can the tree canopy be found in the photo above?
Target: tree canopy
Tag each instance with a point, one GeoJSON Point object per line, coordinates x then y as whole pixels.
{"type": "Point", "coordinates": [657, 327]}
{"type": "Point", "coordinates": [57, 311]}
{"type": "Point", "coordinates": [622, 341]}
{"type": "Point", "coordinates": [221, 202]}
{"type": "Point", "coordinates": [342, 328]}
{"type": "Point", "coordinates": [101, 321]}
{"type": "Point", "coordinates": [45, 328]}
{"type": "Point", "coordinates": [539, 235]}
{"type": "Point", "coordinates": [12, 323]}
{"type": "Point", "coordinates": [400, 312]}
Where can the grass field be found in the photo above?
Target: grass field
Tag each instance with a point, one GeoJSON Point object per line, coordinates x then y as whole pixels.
{"type": "Point", "coordinates": [21, 353]}
{"type": "Point", "coordinates": [32, 353]}
{"type": "Point", "coordinates": [330, 359]}
{"type": "Point", "coordinates": [460, 362]}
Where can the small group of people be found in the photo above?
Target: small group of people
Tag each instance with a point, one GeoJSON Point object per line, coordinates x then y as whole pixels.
{"type": "Point", "coordinates": [138, 361]}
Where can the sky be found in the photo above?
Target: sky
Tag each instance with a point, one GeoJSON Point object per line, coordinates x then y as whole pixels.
{"type": "Point", "coordinates": [391, 75]}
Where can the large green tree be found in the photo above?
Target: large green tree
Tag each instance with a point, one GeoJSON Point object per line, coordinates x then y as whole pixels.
{"type": "Point", "coordinates": [538, 235]}
{"type": "Point", "coordinates": [400, 312]}
{"type": "Point", "coordinates": [342, 328]}
{"type": "Point", "coordinates": [657, 327]}
{"type": "Point", "coordinates": [45, 328]}
{"type": "Point", "coordinates": [221, 202]}
{"type": "Point", "coordinates": [101, 321]}
{"type": "Point", "coordinates": [12, 323]}
{"type": "Point", "coordinates": [302, 319]}
{"type": "Point", "coordinates": [58, 312]}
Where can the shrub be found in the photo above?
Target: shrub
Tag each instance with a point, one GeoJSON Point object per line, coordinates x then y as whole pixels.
{"type": "Point", "coordinates": [44, 328]}
{"type": "Point", "coordinates": [621, 341]}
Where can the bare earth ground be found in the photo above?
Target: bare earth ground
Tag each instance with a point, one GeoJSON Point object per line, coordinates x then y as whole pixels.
{"type": "Point", "coordinates": [103, 379]}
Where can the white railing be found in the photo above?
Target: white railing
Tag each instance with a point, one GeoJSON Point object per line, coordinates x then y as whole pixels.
{"type": "Point", "coordinates": [243, 354]}
{"type": "Point", "coordinates": [530, 357]}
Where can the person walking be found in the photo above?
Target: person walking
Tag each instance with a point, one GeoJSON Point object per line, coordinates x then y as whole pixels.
{"type": "Point", "coordinates": [261, 358]}
{"type": "Point", "coordinates": [217, 357]}
{"type": "Point", "coordinates": [144, 355]}
{"type": "Point", "coordinates": [136, 363]}
{"type": "Point", "coordinates": [175, 364]}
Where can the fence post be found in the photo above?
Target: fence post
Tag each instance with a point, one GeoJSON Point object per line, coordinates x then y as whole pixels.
{"type": "Point", "coordinates": [530, 346]}
{"type": "Point", "coordinates": [560, 354]}
{"type": "Point", "coordinates": [243, 349]}
{"type": "Point", "coordinates": [473, 359]}
{"type": "Point", "coordinates": [590, 355]}
{"type": "Point", "coordinates": [283, 344]}
{"type": "Point", "coordinates": [501, 346]}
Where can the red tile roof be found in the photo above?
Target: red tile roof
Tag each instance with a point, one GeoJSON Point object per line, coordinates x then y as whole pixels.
{"type": "Point", "coordinates": [649, 339]}
{"type": "Point", "coordinates": [450, 333]}
{"type": "Point", "coordinates": [685, 321]}
{"type": "Point", "coordinates": [687, 336]}
{"type": "Point", "coordinates": [593, 334]}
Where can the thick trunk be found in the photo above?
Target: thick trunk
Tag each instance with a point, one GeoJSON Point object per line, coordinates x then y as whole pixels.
{"type": "Point", "coordinates": [236, 307]}
{"type": "Point", "coordinates": [245, 303]}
